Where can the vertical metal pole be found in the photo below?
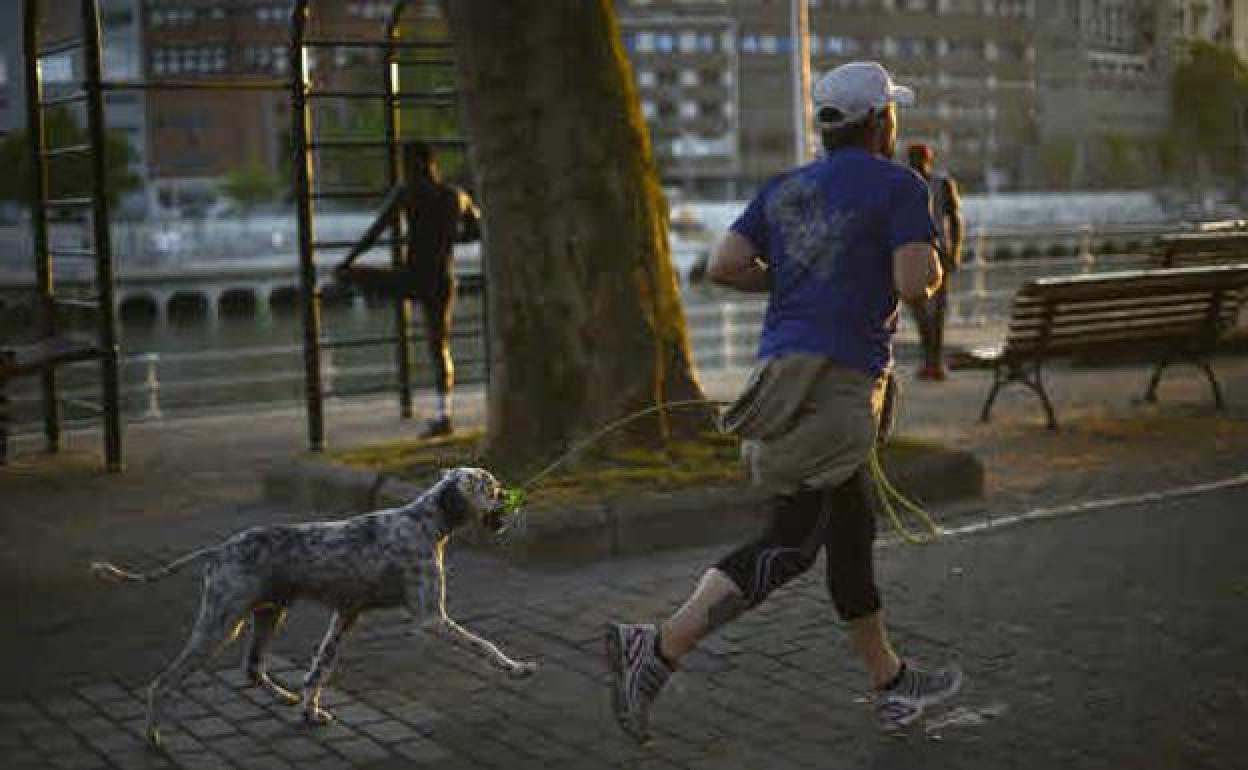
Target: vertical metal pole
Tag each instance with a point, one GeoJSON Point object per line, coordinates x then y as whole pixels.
{"type": "Point", "coordinates": [402, 306]}
{"type": "Point", "coordinates": [101, 234]}
{"type": "Point", "coordinates": [37, 143]}
{"type": "Point", "coordinates": [799, 29]}
{"type": "Point", "coordinates": [301, 164]}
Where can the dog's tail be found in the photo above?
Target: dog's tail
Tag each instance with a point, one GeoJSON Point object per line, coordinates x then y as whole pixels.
{"type": "Point", "coordinates": [107, 571]}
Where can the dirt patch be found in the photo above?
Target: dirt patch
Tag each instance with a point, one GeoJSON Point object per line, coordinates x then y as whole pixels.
{"type": "Point", "coordinates": [593, 475]}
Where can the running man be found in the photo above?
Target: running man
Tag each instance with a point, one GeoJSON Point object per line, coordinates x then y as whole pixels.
{"type": "Point", "coordinates": [835, 243]}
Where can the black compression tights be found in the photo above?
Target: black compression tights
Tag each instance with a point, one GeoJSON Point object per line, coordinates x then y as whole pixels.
{"type": "Point", "coordinates": [841, 520]}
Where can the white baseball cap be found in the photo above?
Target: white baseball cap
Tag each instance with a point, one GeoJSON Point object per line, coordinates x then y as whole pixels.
{"type": "Point", "coordinates": [845, 95]}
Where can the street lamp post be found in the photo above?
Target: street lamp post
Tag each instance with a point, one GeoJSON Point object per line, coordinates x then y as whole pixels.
{"type": "Point", "coordinates": [799, 30]}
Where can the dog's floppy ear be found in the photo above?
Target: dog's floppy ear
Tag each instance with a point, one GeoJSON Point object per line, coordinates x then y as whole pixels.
{"type": "Point", "coordinates": [451, 501]}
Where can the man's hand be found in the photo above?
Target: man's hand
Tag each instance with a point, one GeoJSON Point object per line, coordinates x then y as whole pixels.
{"type": "Point", "coordinates": [736, 264]}
{"type": "Point", "coordinates": [916, 272]}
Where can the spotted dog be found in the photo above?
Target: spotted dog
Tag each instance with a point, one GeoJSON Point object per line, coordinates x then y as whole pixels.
{"type": "Point", "coordinates": [389, 558]}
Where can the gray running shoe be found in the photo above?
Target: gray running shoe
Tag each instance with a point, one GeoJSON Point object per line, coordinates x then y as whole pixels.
{"type": "Point", "coordinates": [637, 675]}
{"type": "Point", "coordinates": [904, 702]}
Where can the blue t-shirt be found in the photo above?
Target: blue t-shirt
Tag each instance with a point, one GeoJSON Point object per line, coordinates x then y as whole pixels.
{"type": "Point", "coordinates": [828, 231]}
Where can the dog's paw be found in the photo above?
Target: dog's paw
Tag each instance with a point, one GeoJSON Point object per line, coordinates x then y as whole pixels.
{"type": "Point", "coordinates": [318, 717]}
{"type": "Point", "coordinates": [276, 689]}
{"type": "Point", "coordinates": [522, 670]}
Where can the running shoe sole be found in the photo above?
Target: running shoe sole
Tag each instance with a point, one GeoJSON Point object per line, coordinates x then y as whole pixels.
{"type": "Point", "coordinates": [923, 701]}
{"type": "Point", "coordinates": [614, 649]}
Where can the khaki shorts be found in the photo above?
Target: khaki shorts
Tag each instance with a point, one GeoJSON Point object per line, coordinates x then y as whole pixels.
{"type": "Point", "coordinates": [805, 420]}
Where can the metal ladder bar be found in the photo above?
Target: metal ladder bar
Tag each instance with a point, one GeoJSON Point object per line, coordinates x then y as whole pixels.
{"type": "Point", "coordinates": [76, 96]}
{"type": "Point", "coordinates": [61, 46]}
{"type": "Point", "coordinates": [102, 236]}
{"type": "Point", "coordinates": [37, 143]}
{"type": "Point", "coordinates": [69, 149]}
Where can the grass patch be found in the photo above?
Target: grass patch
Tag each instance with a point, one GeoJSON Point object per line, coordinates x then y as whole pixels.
{"type": "Point", "coordinates": [711, 459]}
{"type": "Point", "coordinates": [593, 475]}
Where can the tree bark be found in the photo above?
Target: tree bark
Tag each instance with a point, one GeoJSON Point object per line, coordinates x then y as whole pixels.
{"type": "Point", "coordinates": [585, 320]}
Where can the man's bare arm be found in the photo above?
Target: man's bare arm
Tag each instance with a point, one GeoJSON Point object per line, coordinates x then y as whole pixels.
{"type": "Point", "coordinates": [388, 207]}
{"type": "Point", "coordinates": [956, 228]}
{"type": "Point", "coordinates": [916, 271]}
{"type": "Point", "coordinates": [736, 264]}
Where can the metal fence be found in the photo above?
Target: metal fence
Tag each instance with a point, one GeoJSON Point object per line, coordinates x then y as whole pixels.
{"type": "Point", "coordinates": [218, 372]}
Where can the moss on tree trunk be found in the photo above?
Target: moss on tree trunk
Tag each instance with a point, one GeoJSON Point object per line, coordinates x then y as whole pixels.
{"type": "Point", "coordinates": [585, 318]}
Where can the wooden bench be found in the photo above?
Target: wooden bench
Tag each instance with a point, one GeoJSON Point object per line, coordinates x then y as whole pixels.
{"type": "Point", "coordinates": [1212, 247]}
{"type": "Point", "coordinates": [27, 354]}
{"type": "Point", "coordinates": [1168, 316]}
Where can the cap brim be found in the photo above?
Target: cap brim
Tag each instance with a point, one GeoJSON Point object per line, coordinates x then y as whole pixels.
{"type": "Point", "coordinates": [902, 96]}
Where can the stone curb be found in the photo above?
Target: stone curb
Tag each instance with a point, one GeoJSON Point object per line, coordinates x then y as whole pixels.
{"type": "Point", "coordinates": [623, 526]}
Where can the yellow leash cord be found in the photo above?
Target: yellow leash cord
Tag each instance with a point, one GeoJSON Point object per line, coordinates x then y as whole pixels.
{"type": "Point", "coordinates": [887, 493]}
{"type": "Point", "coordinates": [884, 489]}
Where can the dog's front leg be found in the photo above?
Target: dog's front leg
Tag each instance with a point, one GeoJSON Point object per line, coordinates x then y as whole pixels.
{"type": "Point", "coordinates": [426, 596]}
{"type": "Point", "coordinates": [461, 637]}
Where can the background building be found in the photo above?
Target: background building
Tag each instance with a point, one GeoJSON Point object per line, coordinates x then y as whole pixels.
{"type": "Point", "coordinates": [971, 62]}
{"type": "Point", "coordinates": [1013, 94]}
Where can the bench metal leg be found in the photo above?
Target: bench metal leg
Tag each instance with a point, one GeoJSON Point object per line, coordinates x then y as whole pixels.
{"type": "Point", "coordinates": [1037, 385]}
{"type": "Point", "coordinates": [1213, 385]}
{"type": "Point", "coordinates": [4, 426]}
{"type": "Point", "coordinates": [5, 418]}
{"type": "Point", "coordinates": [1150, 395]}
{"type": "Point", "coordinates": [1034, 382]}
{"type": "Point", "coordinates": [51, 411]}
{"type": "Point", "coordinates": [985, 414]}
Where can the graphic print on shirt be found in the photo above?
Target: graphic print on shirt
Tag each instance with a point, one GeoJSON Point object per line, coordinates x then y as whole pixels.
{"type": "Point", "coordinates": [813, 237]}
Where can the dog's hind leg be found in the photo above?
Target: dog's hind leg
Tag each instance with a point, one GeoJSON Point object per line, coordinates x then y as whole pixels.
{"type": "Point", "coordinates": [266, 619]}
{"type": "Point", "coordinates": [217, 624]}
{"type": "Point", "coordinates": [323, 664]}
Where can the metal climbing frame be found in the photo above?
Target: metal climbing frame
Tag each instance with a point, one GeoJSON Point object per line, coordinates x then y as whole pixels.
{"type": "Point", "coordinates": [89, 92]}
{"type": "Point", "coordinates": [306, 143]}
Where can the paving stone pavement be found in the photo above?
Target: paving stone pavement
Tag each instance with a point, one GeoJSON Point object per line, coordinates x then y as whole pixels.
{"type": "Point", "coordinates": [1116, 639]}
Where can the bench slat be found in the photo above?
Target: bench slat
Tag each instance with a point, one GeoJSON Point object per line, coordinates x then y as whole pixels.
{"type": "Point", "coordinates": [1111, 315]}
{"type": "Point", "coordinates": [1110, 307]}
{"type": "Point", "coordinates": [1160, 317]}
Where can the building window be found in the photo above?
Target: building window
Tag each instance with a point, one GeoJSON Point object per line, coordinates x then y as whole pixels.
{"type": "Point", "coordinates": [645, 78]}
{"type": "Point", "coordinates": [688, 110]}
{"type": "Point", "coordinates": [689, 42]}
{"type": "Point", "coordinates": [688, 78]}
{"type": "Point", "coordinates": [911, 47]}
{"type": "Point", "coordinates": [664, 42]}
{"type": "Point", "coordinates": [647, 109]}
{"type": "Point", "coordinates": [841, 46]}
{"type": "Point", "coordinates": [645, 42]}
{"type": "Point", "coordinates": [961, 48]}
{"type": "Point", "coordinates": [749, 44]}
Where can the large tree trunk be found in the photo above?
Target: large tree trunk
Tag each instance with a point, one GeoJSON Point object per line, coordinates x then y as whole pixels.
{"type": "Point", "coordinates": [585, 319]}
